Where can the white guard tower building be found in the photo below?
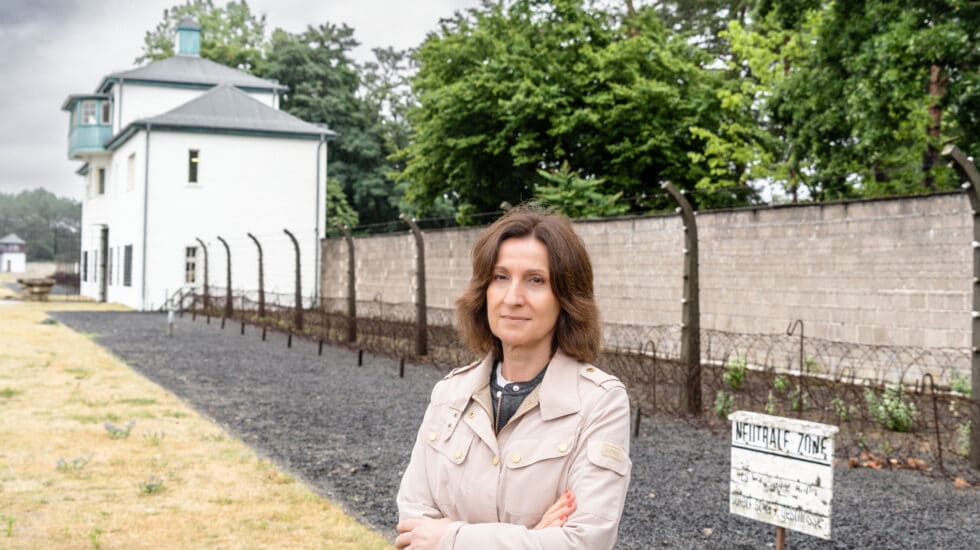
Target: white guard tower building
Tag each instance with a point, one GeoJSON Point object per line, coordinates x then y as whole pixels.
{"type": "Point", "coordinates": [185, 150]}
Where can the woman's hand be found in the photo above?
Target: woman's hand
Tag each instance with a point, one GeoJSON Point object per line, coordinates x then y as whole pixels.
{"type": "Point", "coordinates": [421, 533]}
{"type": "Point", "coordinates": [557, 515]}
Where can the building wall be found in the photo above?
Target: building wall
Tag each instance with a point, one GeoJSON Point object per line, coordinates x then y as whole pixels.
{"type": "Point", "coordinates": [13, 262]}
{"type": "Point", "coordinates": [120, 209]}
{"type": "Point", "coordinates": [882, 272]}
{"type": "Point", "coordinates": [245, 184]}
{"type": "Point", "coordinates": [144, 101]}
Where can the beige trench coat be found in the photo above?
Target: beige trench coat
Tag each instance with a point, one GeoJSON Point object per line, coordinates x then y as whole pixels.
{"type": "Point", "coordinates": [571, 432]}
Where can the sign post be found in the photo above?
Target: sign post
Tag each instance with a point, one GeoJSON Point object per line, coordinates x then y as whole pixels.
{"type": "Point", "coordinates": [782, 472]}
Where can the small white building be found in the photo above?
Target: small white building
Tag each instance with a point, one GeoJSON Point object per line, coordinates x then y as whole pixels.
{"type": "Point", "coordinates": [180, 152]}
{"type": "Point", "coordinates": [13, 254]}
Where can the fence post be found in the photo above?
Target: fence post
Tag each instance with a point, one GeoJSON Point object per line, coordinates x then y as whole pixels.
{"type": "Point", "coordinates": [351, 286]}
{"type": "Point", "coordinates": [421, 331]}
{"type": "Point", "coordinates": [261, 278]}
{"type": "Point", "coordinates": [690, 307]}
{"type": "Point", "coordinates": [298, 315]}
{"type": "Point", "coordinates": [968, 171]}
{"type": "Point", "coordinates": [228, 308]}
{"type": "Point", "coordinates": [207, 298]}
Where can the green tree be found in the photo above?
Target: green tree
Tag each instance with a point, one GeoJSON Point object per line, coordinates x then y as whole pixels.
{"type": "Point", "coordinates": [508, 89]}
{"type": "Point", "coordinates": [879, 87]}
{"type": "Point", "coordinates": [577, 197]}
{"type": "Point", "coordinates": [339, 211]}
{"type": "Point", "coordinates": [50, 225]}
{"type": "Point", "coordinates": [324, 86]}
{"type": "Point", "coordinates": [231, 35]}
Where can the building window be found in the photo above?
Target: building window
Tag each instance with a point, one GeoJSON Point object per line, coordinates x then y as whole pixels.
{"type": "Point", "coordinates": [85, 266]}
{"type": "Point", "coordinates": [100, 187]}
{"type": "Point", "coordinates": [88, 112]}
{"type": "Point", "coordinates": [95, 266]}
{"type": "Point", "coordinates": [190, 265]}
{"type": "Point", "coordinates": [128, 265]}
{"type": "Point", "coordinates": [106, 112]}
{"type": "Point", "coordinates": [193, 158]}
{"type": "Point", "coordinates": [109, 267]}
{"type": "Point", "coordinates": [131, 172]}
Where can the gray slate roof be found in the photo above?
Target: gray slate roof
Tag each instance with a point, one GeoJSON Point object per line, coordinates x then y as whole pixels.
{"type": "Point", "coordinates": [12, 239]}
{"type": "Point", "coordinates": [190, 69]}
{"type": "Point", "coordinates": [226, 107]}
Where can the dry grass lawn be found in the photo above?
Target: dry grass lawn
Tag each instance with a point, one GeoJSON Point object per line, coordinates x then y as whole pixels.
{"type": "Point", "coordinates": [174, 480]}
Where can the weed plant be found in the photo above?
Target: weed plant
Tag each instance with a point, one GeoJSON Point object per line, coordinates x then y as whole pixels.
{"type": "Point", "coordinates": [151, 486]}
{"type": "Point", "coordinates": [75, 465]}
{"type": "Point", "coordinates": [154, 438]}
{"type": "Point", "coordinates": [891, 409]}
{"type": "Point", "coordinates": [115, 432]}
{"type": "Point", "coordinates": [842, 410]}
{"type": "Point", "coordinates": [963, 438]}
{"type": "Point", "coordinates": [735, 371]}
{"type": "Point", "coordinates": [723, 404]}
{"type": "Point", "coordinates": [961, 384]}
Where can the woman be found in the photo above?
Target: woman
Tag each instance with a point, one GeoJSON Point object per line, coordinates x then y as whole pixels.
{"type": "Point", "coordinates": [528, 448]}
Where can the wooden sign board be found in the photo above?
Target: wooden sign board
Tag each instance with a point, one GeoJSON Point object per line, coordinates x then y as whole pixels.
{"type": "Point", "coordinates": [782, 471]}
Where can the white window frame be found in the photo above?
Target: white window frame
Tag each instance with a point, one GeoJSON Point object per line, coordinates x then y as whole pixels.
{"type": "Point", "coordinates": [88, 117]}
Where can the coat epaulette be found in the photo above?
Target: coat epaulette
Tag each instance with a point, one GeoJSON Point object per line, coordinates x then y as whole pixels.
{"type": "Point", "coordinates": [599, 377]}
{"type": "Point", "coordinates": [462, 369]}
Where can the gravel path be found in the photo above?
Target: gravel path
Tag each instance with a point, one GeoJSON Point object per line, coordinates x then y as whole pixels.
{"type": "Point", "coordinates": [347, 431]}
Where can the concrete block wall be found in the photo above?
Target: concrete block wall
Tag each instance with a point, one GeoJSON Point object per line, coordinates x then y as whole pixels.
{"type": "Point", "coordinates": [894, 272]}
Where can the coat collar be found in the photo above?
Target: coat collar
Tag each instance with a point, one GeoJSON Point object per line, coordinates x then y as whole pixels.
{"type": "Point", "coordinates": [558, 391]}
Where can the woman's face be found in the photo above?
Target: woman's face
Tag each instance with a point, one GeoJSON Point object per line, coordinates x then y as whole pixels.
{"type": "Point", "coordinates": [521, 308]}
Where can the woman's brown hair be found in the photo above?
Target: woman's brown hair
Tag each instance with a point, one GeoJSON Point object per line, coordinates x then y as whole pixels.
{"type": "Point", "coordinates": [577, 332]}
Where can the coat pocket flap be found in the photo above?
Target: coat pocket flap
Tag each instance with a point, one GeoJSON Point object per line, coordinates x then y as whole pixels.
{"type": "Point", "coordinates": [610, 456]}
{"type": "Point", "coordinates": [526, 452]}
{"type": "Point", "coordinates": [456, 447]}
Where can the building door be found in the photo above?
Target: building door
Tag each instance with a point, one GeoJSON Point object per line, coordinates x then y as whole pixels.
{"type": "Point", "coordinates": [103, 260]}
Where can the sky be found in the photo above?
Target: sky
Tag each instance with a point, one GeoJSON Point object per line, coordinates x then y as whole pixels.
{"type": "Point", "coordinates": [59, 47]}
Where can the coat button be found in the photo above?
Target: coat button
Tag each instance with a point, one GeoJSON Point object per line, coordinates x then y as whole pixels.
{"type": "Point", "coordinates": [495, 461]}
{"type": "Point", "coordinates": [432, 436]}
{"type": "Point", "coordinates": [590, 369]}
{"type": "Point", "coordinates": [562, 448]}
{"type": "Point", "coordinates": [457, 454]}
{"type": "Point", "coordinates": [515, 459]}
{"type": "Point", "coordinates": [472, 414]}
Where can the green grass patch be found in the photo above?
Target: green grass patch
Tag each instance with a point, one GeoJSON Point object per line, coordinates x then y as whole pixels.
{"type": "Point", "coordinates": [94, 418]}
{"type": "Point", "coordinates": [7, 393]}
{"type": "Point", "coordinates": [174, 414]}
{"type": "Point", "coordinates": [136, 401]}
{"type": "Point", "coordinates": [79, 372]}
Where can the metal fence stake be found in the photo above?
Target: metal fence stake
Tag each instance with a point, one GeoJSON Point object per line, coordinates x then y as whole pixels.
{"type": "Point", "coordinates": [421, 330]}
{"type": "Point", "coordinates": [690, 308]}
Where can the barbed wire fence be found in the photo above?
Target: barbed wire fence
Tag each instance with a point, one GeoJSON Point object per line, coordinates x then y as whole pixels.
{"type": "Point", "coordinates": [896, 406]}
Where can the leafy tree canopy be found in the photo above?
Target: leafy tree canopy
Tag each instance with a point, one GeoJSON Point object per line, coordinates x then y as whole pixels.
{"type": "Point", "coordinates": [509, 89]}
{"type": "Point", "coordinates": [231, 35]}
{"type": "Point", "coordinates": [324, 86]}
